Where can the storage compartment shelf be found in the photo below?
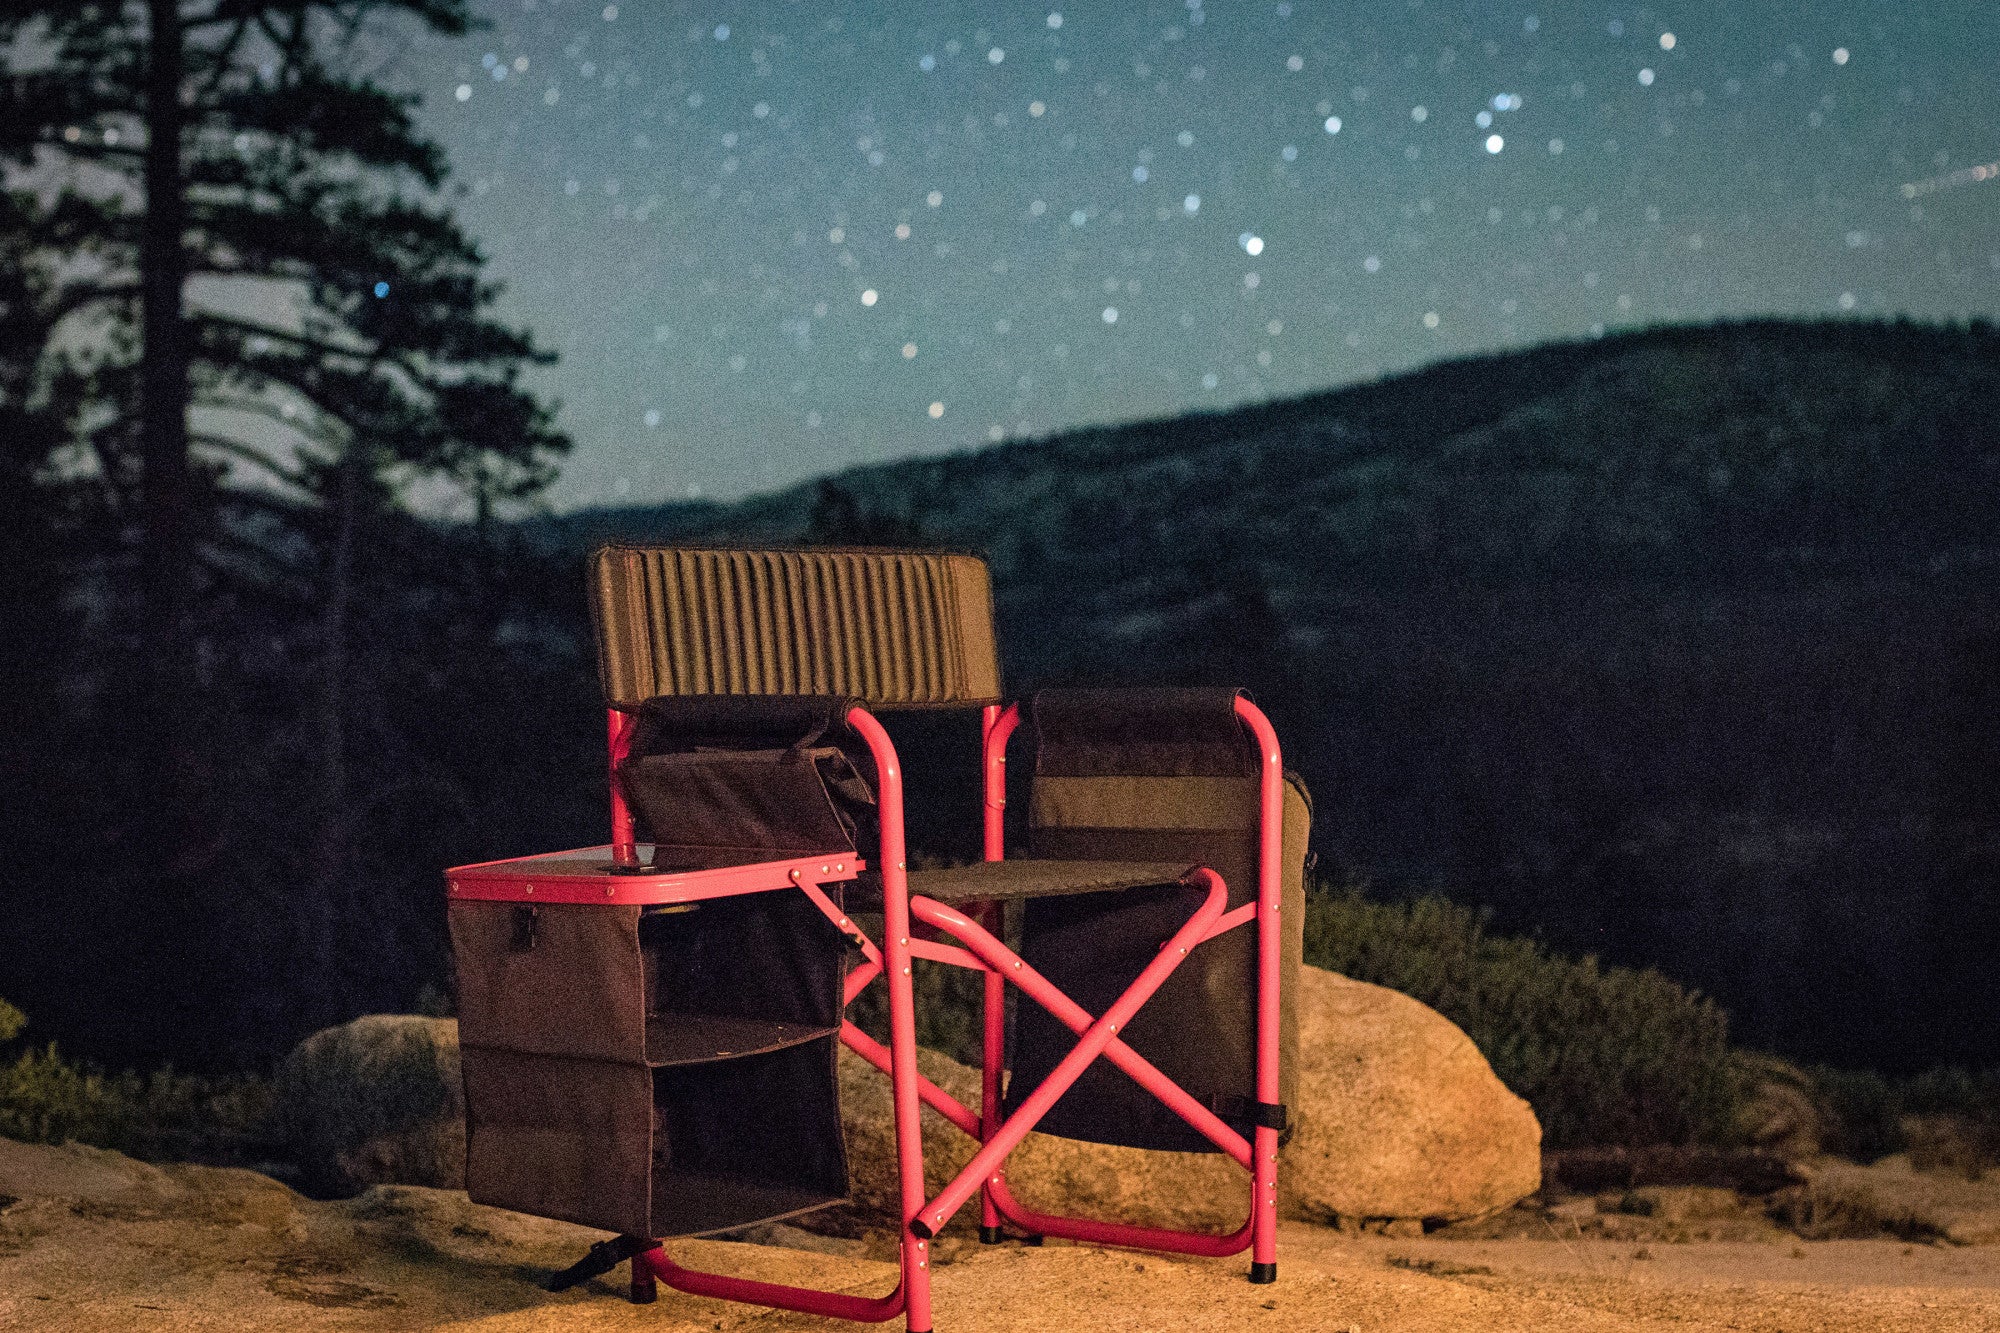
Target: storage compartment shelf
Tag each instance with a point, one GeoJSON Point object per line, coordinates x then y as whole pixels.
{"type": "Point", "coordinates": [685, 1039]}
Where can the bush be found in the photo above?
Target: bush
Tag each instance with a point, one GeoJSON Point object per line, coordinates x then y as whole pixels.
{"type": "Point", "coordinates": [162, 1115]}
{"type": "Point", "coordinates": [1607, 1056]}
{"type": "Point", "coordinates": [1860, 1113]}
{"type": "Point", "coordinates": [1945, 1119]}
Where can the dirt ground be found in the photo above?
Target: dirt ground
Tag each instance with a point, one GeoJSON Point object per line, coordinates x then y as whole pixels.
{"type": "Point", "coordinates": [97, 1243]}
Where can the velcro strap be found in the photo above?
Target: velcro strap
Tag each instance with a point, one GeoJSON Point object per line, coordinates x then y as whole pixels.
{"type": "Point", "coordinates": [1259, 1115]}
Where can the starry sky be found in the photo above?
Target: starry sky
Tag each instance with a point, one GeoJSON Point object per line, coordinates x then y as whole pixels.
{"type": "Point", "coordinates": [771, 241]}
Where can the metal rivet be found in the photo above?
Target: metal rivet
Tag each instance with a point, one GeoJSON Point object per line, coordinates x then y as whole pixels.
{"type": "Point", "coordinates": [529, 889]}
{"type": "Point", "coordinates": [610, 892]}
{"type": "Point", "coordinates": [795, 874]}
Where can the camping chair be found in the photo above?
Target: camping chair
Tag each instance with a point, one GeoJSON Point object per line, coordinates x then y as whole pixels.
{"type": "Point", "coordinates": [648, 1027]}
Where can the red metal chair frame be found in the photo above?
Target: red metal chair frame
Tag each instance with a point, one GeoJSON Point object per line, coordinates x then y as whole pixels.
{"type": "Point", "coordinates": [981, 951]}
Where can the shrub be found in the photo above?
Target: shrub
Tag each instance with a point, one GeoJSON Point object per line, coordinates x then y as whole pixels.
{"type": "Point", "coordinates": [45, 1098]}
{"type": "Point", "coordinates": [1946, 1119]}
{"type": "Point", "coordinates": [1606, 1055]}
{"type": "Point", "coordinates": [1860, 1113]}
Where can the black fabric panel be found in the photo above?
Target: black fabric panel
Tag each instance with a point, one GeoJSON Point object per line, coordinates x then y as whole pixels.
{"type": "Point", "coordinates": [727, 807]}
{"type": "Point", "coordinates": [559, 979]}
{"type": "Point", "coordinates": [1160, 733]}
{"type": "Point", "coordinates": [990, 881]}
{"type": "Point", "coordinates": [768, 956]}
{"type": "Point", "coordinates": [718, 780]}
{"type": "Point", "coordinates": [568, 1139]}
{"type": "Point", "coordinates": [1200, 1027]}
{"type": "Point", "coordinates": [747, 1140]}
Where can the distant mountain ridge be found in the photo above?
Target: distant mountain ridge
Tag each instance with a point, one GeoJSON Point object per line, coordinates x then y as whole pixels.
{"type": "Point", "coordinates": [1672, 645]}
{"type": "Point", "coordinates": [1821, 436]}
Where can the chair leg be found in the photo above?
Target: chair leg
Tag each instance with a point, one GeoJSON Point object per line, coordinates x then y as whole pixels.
{"type": "Point", "coordinates": [992, 1055]}
{"type": "Point", "coordinates": [903, 1087]}
{"type": "Point", "coordinates": [645, 1288]}
{"type": "Point", "coordinates": [1264, 1207]}
{"type": "Point", "coordinates": [985, 1163]}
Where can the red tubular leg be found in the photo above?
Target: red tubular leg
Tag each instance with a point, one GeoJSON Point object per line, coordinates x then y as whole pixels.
{"type": "Point", "coordinates": [1122, 1234]}
{"type": "Point", "coordinates": [902, 1016]}
{"type": "Point", "coordinates": [1073, 1016]}
{"type": "Point", "coordinates": [928, 1092]}
{"type": "Point", "coordinates": [858, 981]}
{"type": "Point", "coordinates": [987, 1160]}
{"type": "Point", "coordinates": [992, 1052]}
{"type": "Point", "coordinates": [1270, 832]}
{"type": "Point", "coordinates": [997, 727]}
{"type": "Point", "coordinates": [837, 1305]}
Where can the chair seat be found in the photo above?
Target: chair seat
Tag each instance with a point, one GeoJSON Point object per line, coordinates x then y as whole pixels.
{"type": "Point", "coordinates": [998, 880]}
{"type": "Point", "coordinates": [1001, 881]}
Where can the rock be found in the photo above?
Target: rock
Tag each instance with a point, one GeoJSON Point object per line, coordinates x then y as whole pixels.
{"type": "Point", "coordinates": [375, 1101]}
{"type": "Point", "coordinates": [1202, 1191]}
{"type": "Point", "coordinates": [1679, 1205]}
{"type": "Point", "coordinates": [1399, 1117]}
{"type": "Point", "coordinates": [400, 1258]}
{"type": "Point", "coordinates": [869, 1120]}
{"type": "Point", "coordinates": [1399, 1114]}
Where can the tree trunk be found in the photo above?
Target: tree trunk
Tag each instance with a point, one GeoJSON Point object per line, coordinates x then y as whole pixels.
{"type": "Point", "coordinates": [166, 656]}
{"type": "Point", "coordinates": [326, 905]}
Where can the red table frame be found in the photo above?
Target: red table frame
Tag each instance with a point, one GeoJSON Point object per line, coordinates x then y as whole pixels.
{"type": "Point", "coordinates": [541, 879]}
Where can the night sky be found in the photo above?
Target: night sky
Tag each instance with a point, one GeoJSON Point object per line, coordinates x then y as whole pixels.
{"type": "Point", "coordinates": [773, 241]}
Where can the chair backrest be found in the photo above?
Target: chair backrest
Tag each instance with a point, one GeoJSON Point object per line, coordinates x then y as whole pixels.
{"type": "Point", "coordinates": [890, 628]}
{"type": "Point", "coordinates": [1154, 775]}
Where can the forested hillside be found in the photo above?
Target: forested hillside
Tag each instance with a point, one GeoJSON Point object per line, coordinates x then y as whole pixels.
{"type": "Point", "coordinates": [1680, 647]}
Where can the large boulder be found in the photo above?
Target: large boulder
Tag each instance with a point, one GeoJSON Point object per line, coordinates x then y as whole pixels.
{"type": "Point", "coordinates": [376, 1101]}
{"type": "Point", "coordinates": [1399, 1119]}
{"type": "Point", "coordinates": [1399, 1114]}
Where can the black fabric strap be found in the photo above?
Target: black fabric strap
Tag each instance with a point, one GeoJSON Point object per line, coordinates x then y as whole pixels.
{"type": "Point", "coordinates": [1258, 1115]}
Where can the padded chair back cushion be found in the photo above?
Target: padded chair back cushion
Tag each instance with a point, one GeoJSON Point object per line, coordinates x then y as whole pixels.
{"type": "Point", "coordinates": [1153, 775]}
{"type": "Point", "coordinates": [896, 629]}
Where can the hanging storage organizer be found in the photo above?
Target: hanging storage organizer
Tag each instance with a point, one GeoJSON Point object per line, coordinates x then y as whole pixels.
{"type": "Point", "coordinates": [668, 1069]}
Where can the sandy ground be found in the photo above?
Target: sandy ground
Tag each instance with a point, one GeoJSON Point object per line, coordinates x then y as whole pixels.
{"type": "Point", "coordinates": [92, 1241]}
